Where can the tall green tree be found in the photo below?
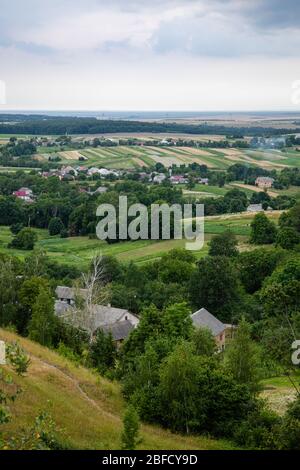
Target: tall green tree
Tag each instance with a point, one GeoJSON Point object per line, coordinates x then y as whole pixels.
{"type": "Point", "coordinates": [42, 323]}
{"type": "Point", "coordinates": [204, 342]}
{"type": "Point", "coordinates": [55, 226]}
{"type": "Point", "coordinates": [256, 265]}
{"type": "Point", "coordinates": [215, 286]}
{"type": "Point", "coordinates": [103, 351]}
{"type": "Point", "coordinates": [130, 434]}
{"type": "Point", "coordinates": [287, 238]}
{"type": "Point", "coordinates": [178, 385]}
{"type": "Point", "coordinates": [224, 244]}
{"type": "Point", "coordinates": [28, 294]}
{"type": "Point", "coordinates": [242, 358]}
{"type": "Point", "coordinates": [263, 230]}
{"type": "Point", "coordinates": [176, 321]}
{"type": "Point", "coordinates": [24, 240]}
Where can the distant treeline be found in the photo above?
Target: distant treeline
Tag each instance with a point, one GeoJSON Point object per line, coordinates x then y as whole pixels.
{"type": "Point", "coordinates": [57, 125]}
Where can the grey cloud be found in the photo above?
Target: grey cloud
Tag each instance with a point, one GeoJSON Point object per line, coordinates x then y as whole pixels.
{"type": "Point", "coordinates": [226, 28]}
{"type": "Point", "coordinates": [274, 14]}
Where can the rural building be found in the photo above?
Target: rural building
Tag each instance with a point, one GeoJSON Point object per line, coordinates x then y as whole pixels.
{"type": "Point", "coordinates": [25, 194]}
{"type": "Point", "coordinates": [159, 178]}
{"type": "Point", "coordinates": [107, 315]}
{"type": "Point", "coordinates": [100, 190]}
{"type": "Point", "coordinates": [93, 171]}
{"type": "Point", "coordinates": [105, 172]}
{"type": "Point", "coordinates": [203, 181]}
{"type": "Point", "coordinates": [120, 322]}
{"type": "Point", "coordinates": [255, 208]}
{"type": "Point", "coordinates": [204, 319]}
{"type": "Point", "coordinates": [119, 330]}
{"type": "Point", "coordinates": [68, 170]}
{"type": "Point", "coordinates": [178, 179]}
{"type": "Point", "coordinates": [264, 182]}
{"type": "Point", "coordinates": [69, 294]}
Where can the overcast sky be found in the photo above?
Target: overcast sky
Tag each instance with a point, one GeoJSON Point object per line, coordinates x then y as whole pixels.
{"type": "Point", "coordinates": [150, 54]}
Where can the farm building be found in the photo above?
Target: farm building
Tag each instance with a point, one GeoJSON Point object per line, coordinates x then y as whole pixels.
{"type": "Point", "coordinates": [255, 208]}
{"type": "Point", "coordinates": [25, 194]}
{"type": "Point", "coordinates": [68, 170]}
{"type": "Point", "coordinates": [117, 320]}
{"type": "Point", "coordinates": [204, 319]}
{"type": "Point", "coordinates": [203, 181]}
{"type": "Point", "coordinates": [264, 182]}
{"type": "Point", "coordinates": [159, 178]}
{"type": "Point", "coordinates": [68, 294]}
{"type": "Point", "coordinates": [119, 331]}
{"type": "Point", "coordinates": [100, 190]}
{"type": "Point", "coordinates": [178, 179]}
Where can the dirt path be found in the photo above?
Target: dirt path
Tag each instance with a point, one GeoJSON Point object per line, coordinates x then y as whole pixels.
{"type": "Point", "coordinates": [67, 376]}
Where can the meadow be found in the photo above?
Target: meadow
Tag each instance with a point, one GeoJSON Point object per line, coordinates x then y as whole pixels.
{"type": "Point", "coordinates": [78, 251]}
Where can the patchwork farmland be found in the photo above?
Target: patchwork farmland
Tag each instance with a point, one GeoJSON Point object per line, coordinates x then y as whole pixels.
{"type": "Point", "coordinates": [129, 157]}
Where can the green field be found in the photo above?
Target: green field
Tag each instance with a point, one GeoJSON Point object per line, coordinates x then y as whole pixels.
{"type": "Point", "coordinates": [78, 251]}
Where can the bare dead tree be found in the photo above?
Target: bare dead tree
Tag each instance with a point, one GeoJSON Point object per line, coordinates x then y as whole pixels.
{"type": "Point", "coordinates": [89, 292]}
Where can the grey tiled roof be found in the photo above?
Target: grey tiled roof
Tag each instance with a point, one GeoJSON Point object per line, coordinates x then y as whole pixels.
{"type": "Point", "coordinates": [203, 319]}
{"type": "Point", "coordinates": [105, 315]}
{"type": "Point", "coordinates": [119, 330]}
{"type": "Point", "coordinates": [63, 292]}
{"type": "Point", "coordinates": [255, 208]}
{"type": "Point", "coordinates": [60, 307]}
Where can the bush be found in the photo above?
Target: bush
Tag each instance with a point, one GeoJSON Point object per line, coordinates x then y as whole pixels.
{"type": "Point", "coordinates": [289, 434]}
{"type": "Point", "coordinates": [55, 226]}
{"type": "Point", "coordinates": [263, 230]}
{"type": "Point", "coordinates": [16, 228]}
{"type": "Point", "coordinates": [258, 430]}
{"type": "Point", "coordinates": [24, 240]}
{"type": "Point", "coordinates": [131, 429]}
{"type": "Point", "coordinates": [287, 238]}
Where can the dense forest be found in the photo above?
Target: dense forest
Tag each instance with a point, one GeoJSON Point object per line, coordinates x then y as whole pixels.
{"type": "Point", "coordinates": [56, 125]}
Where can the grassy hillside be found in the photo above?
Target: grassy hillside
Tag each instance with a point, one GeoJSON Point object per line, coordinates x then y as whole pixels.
{"type": "Point", "coordinates": [88, 407]}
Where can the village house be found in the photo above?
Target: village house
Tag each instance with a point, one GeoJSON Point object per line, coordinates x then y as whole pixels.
{"type": "Point", "coordinates": [178, 179]}
{"type": "Point", "coordinates": [255, 208]}
{"type": "Point", "coordinates": [25, 194]}
{"type": "Point", "coordinates": [81, 169]}
{"type": "Point", "coordinates": [119, 322]}
{"type": "Point", "coordinates": [119, 331]}
{"type": "Point", "coordinates": [106, 172]}
{"type": "Point", "coordinates": [203, 181]}
{"type": "Point", "coordinates": [68, 170]}
{"type": "Point", "coordinates": [159, 178]}
{"type": "Point", "coordinates": [264, 182]}
{"type": "Point", "coordinates": [68, 294]}
{"type": "Point", "coordinates": [204, 319]}
{"type": "Point", "coordinates": [93, 171]}
{"type": "Point", "coordinates": [48, 174]}
{"type": "Point", "coordinates": [100, 190]}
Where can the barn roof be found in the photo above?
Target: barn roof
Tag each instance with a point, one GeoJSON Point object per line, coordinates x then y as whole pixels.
{"type": "Point", "coordinates": [204, 319]}
{"type": "Point", "coordinates": [106, 315]}
{"type": "Point", "coordinates": [69, 293]}
{"type": "Point", "coordinates": [119, 330]}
